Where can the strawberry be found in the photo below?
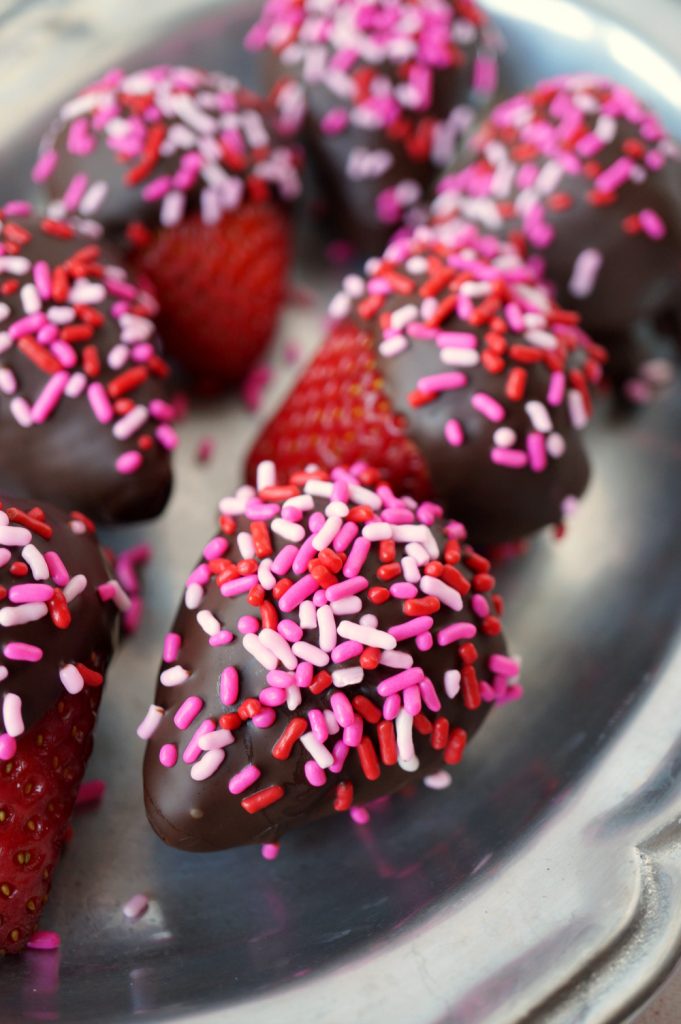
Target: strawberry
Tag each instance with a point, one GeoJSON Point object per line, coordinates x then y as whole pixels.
{"type": "Point", "coordinates": [38, 789]}
{"type": "Point", "coordinates": [339, 413]}
{"type": "Point", "coordinates": [220, 288]}
{"type": "Point", "coordinates": [58, 617]}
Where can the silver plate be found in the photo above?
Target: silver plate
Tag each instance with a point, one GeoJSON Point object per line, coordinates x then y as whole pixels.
{"type": "Point", "coordinates": [545, 885]}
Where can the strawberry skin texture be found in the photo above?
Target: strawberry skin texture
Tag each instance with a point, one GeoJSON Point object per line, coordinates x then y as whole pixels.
{"type": "Point", "coordinates": [38, 790]}
{"type": "Point", "coordinates": [220, 288]}
{"type": "Point", "coordinates": [339, 413]}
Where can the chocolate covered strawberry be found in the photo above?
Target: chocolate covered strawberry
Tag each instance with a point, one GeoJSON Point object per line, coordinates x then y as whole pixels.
{"type": "Point", "coordinates": [453, 371]}
{"type": "Point", "coordinates": [335, 642]}
{"type": "Point", "coordinates": [185, 163]}
{"type": "Point", "coordinates": [59, 610]}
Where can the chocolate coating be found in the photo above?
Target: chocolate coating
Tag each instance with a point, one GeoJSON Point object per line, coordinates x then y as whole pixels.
{"type": "Point", "coordinates": [511, 350]}
{"type": "Point", "coordinates": [383, 95]}
{"type": "Point", "coordinates": [204, 815]}
{"type": "Point", "coordinates": [89, 637]}
{"type": "Point", "coordinates": [66, 453]}
{"type": "Point", "coordinates": [582, 175]}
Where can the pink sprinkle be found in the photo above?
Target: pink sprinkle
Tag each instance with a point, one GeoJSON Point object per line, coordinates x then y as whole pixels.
{"type": "Point", "coordinates": [347, 588]}
{"type": "Point", "coordinates": [240, 585]}
{"type": "Point", "coordinates": [429, 695]}
{"type": "Point", "coordinates": [400, 681]}
{"type": "Point", "coordinates": [340, 752]}
{"type": "Point", "coordinates": [229, 686]}
{"type": "Point", "coordinates": [556, 390]}
{"type": "Point", "coordinates": [391, 707]}
{"type": "Point", "coordinates": [248, 624]}
{"type": "Point", "coordinates": [57, 568]}
{"type": "Point", "coordinates": [360, 815]}
{"type": "Point", "coordinates": [342, 709]}
{"type": "Point", "coordinates": [456, 631]}
{"type": "Point", "coordinates": [128, 463]}
{"type": "Point", "coordinates": [424, 641]}
{"type": "Point", "coordinates": [8, 747]}
{"type": "Point", "coordinates": [290, 630]}
{"type": "Point", "coordinates": [219, 639]}
{"type": "Point", "coordinates": [346, 651]}
{"type": "Point", "coordinates": [167, 755]}
{"type": "Point", "coordinates": [411, 628]}
{"type": "Point", "coordinates": [44, 166]}
{"type": "Point", "coordinates": [187, 712]}
{"type": "Point", "coordinates": [205, 449]}
{"type": "Point", "coordinates": [536, 451]}
{"type": "Point", "coordinates": [284, 560]}
{"type": "Point", "coordinates": [403, 591]}
{"type": "Point", "coordinates": [243, 779]}
{"type": "Point", "coordinates": [503, 665]}
{"type": "Point", "coordinates": [193, 749]}
{"type": "Point", "coordinates": [270, 851]}
{"type": "Point", "coordinates": [90, 793]}
{"type": "Point", "coordinates": [17, 651]}
{"type": "Point", "coordinates": [510, 458]}
{"type": "Point", "coordinates": [437, 382]}
{"type": "Point", "coordinates": [171, 648]}
{"type": "Point", "coordinates": [296, 594]}
{"type": "Point", "coordinates": [488, 407]}
{"type": "Point", "coordinates": [44, 941]}
{"type": "Point", "coordinates": [454, 433]}
{"type": "Point", "coordinates": [315, 775]}
{"type": "Point", "coordinates": [23, 593]}
{"type": "Point", "coordinates": [318, 725]}
{"type": "Point", "coordinates": [49, 397]}
{"type": "Point", "coordinates": [166, 437]}
{"type": "Point", "coordinates": [412, 700]}
{"type": "Point", "coordinates": [352, 734]}
{"type": "Point", "coordinates": [585, 271]}
{"type": "Point", "coordinates": [272, 697]}
{"type": "Point", "coordinates": [480, 605]}
{"type": "Point", "coordinates": [345, 536]}
{"type": "Point", "coordinates": [652, 224]}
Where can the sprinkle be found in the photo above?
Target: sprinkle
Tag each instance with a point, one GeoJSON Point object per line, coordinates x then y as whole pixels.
{"type": "Point", "coordinates": [136, 907]}
{"type": "Point", "coordinates": [174, 676]}
{"type": "Point", "coordinates": [150, 722]}
{"type": "Point", "coordinates": [347, 676]}
{"type": "Point", "coordinates": [366, 636]}
{"type": "Point", "coordinates": [187, 712]}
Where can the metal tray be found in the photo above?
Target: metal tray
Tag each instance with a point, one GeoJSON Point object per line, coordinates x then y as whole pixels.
{"type": "Point", "coordinates": [545, 885]}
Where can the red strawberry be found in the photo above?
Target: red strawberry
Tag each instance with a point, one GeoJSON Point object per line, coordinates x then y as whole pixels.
{"type": "Point", "coordinates": [220, 288]}
{"type": "Point", "coordinates": [339, 413]}
{"type": "Point", "coordinates": [58, 619]}
{"type": "Point", "coordinates": [38, 789]}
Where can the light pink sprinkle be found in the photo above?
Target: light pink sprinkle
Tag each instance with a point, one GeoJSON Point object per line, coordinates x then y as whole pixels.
{"type": "Point", "coordinates": [243, 779]}
{"type": "Point", "coordinates": [208, 765]}
{"type": "Point", "coordinates": [135, 907]}
{"type": "Point", "coordinates": [150, 722]}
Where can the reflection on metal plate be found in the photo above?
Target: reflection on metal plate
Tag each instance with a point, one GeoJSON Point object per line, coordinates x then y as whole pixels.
{"type": "Point", "coordinates": [545, 885]}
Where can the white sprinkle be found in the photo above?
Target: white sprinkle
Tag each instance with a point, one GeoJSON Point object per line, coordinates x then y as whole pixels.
{"type": "Point", "coordinates": [367, 636]}
{"type": "Point", "coordinates": [377, 531]}
{"type": "Point", "coordinates": [369, 620]}
{"type": "Point", "coordinates": [504, 437]}
{"type": "Point", "coordinates": [326, 622]}
{"type": "Point", "coordinates": [363, 496]}
{"type": "Point", "coordinates": [208, 765]}
{"type": "Point", "coordinates": [347, 606]}
{"type": "Point", "coordinates": [396, 659]}
{"type": "Point", "coordinates": [71, 679]}
{"type": "Point", "coordinates": [246, 545]}
{"type": "Point", "coordinates": [304, 502]}
{"type": "Point", "coordinates": [30, 299]}
{"type": "Point", "coordinates": [307, 615]}
{"type": "Point", "coordinates": [410, 569]}
{"type": "Point", "coordinates": [438, 780]}
{"type": "Point", "coordinates": [193, 596]}
{"type": "Point", "coordinates": [347, 676]}
{"type": "Point", "coordinates": [403, 316]}
{"type": "Point", "coordinates": [21, 411]}
{"type": "Point", "coordinates": [23, 613]}
{"type": "Point", "coordinates": [319, 488]}
{"type": "Point", "coordinates": [279, 646]}
{"type": "Point", "coordinates": [434, 587]}
{"type": "Point", "coordinates": [325, 536]}
{"type": "Point", "coordinates": [459, 357]}
{"type": "Point", "coordinates": [150, 722]}
{"type": "Point", "coordinates": [317, 751]}
{"type": "Point", "coordinates": [337, 508]}
{"type": "Point", "coordinates": [75, 587]}
{"type": "Point", "coordinates": [410, 764]}
{"type": "Point", "coordinates": [419, 534]}
{"type": "Point", "coordinates": [12, 716]}
{"type": "Point", "coordinates": [173, 676]}
{"type": "Point", "coordinates": [539, 416]}
{"type": "Point", "coordinates": [257, 649]}
{"type": "Point", "coordinates": [8, 382]}
{"type": "Point", "coordinates": [293, 532]}
{"type": "Point", "coordinates": [418, 553]}
{"type": "Point", "coordinates": [577, 409]}
{"type": "Point", "coordinates": [208, 623]}
{"type": "Point", "coordinates": [331, 722]}
{"type": "Point", "coordinates": [35, 562]}
{"type": "Point", "coordinates": [308, 652]}
{"type": "Point", "coordinates": [405, 738]}
{"type": "Point", "coordinates": [266, 577]}
{"type": "Point", "coordinates": [452, 681]}
{"type": "Point", "coordinates": [294, 698]}
{"type": "Point", "coordinates": [555, 445]}
{"type": "Point", "coordinates": [265, 475]}
{"type": "Point", "coordinates": [216, 740]}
